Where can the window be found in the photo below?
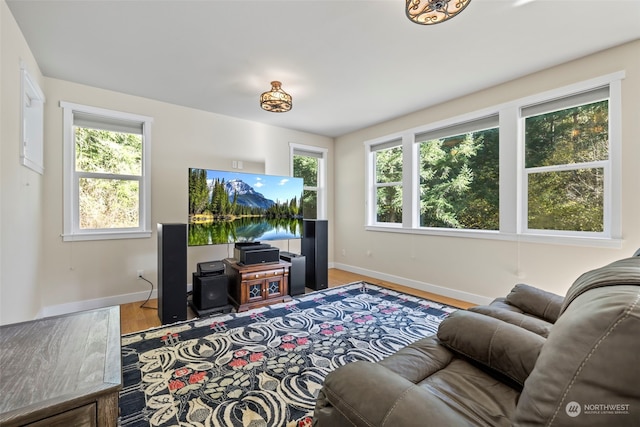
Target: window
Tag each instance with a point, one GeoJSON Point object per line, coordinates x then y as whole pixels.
{"type": "Point", "coordinates": [387, 158]}
{"type": "Point", "coordinates": [309, 163]}
{"type": "Point", "coordinates": [106, 173]}
{"type": "Point", "coordinates": [566, 149]}
{"type": "Point", "coordinates": [459, 176]}
{"type": "Point", "coordinates": [545, 168]}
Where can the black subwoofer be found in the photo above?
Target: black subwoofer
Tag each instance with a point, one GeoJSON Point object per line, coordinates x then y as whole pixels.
{"type": "Point", "coordinates": [297, 272]}
{"type": "Point", "coordinates": [172, 272]}
{"type": "Point", "coordinates": [315, 248]}
{"type": "Point", "coordinates": [210, 291]}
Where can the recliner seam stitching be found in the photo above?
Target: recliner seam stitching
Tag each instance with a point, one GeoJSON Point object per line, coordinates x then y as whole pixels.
{"type": "Point", "coordinates": [404, 393]}
{"type": "Point", "coordinates": [493, 336]}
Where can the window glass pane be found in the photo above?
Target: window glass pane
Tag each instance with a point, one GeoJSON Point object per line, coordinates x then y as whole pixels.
{"type": "Point", "coordinates": [389, 204]}
{"type": "Point", "coordinates": [574, 135]}
{"type": "Point", "coordinates": [306, 167]}
{"type": "Point", "coordinates": [567, 200]}
{"type": "Point", "coordinates": [310, 204]}
{"type": "Point", "coordinates": [459, 181]}
{"type": "Point", "coordinates": [108, 203]}
{"type": "Point", "coordinates": [389, 165]}
{"type": "Point", "coordinates": [105, 151]}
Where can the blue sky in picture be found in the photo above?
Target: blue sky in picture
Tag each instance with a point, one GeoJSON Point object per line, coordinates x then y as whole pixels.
{"type": "Point", "coordinates": [273, 187]}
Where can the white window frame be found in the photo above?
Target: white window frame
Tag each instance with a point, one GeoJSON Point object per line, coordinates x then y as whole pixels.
{"type": "Point", "coordinates": [71, 228]}
{"type": "Point", "coordinates": [321, 189]}
{"type": "Point", "coordinates": [611, 201]}
{"type": "Point", "coordinates": [372, 190]}
{"type": "Point", "coordinates": [513, 195]}
{"type": "Point", "coordinates": [486, 119]}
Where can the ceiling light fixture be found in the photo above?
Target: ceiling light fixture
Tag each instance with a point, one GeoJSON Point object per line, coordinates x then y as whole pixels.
{"type": "Point", "coordinates": [429, 12]}
{"type": "Point", "coordinates": [276, 100]}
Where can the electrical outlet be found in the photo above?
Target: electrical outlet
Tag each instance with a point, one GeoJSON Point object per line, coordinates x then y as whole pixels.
{"type": "Point", "coordinates": [140, 274]}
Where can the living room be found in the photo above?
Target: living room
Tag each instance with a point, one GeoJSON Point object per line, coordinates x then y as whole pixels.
{"type": "Point", "coordinates": [45, 272]}
{"type": "Point", "coordinates": [42, 274]}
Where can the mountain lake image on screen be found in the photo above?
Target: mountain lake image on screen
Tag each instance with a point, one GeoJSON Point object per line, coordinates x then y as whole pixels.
{"type": "Point", "coordinates": [228, 207]}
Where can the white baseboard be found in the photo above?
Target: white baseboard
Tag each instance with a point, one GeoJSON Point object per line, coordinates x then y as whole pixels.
{"type": "Point", "coordinates": [427, 287]}
{"type": "Point", "coordinates": [92, 304]}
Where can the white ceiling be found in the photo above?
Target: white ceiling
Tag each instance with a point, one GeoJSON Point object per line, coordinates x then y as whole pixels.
{"type": "Point", "coordinates": [347, 64]}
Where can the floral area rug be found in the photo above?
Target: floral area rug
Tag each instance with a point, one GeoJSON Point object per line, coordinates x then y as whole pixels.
{"type": "Point", "coordinates": [264, 367]}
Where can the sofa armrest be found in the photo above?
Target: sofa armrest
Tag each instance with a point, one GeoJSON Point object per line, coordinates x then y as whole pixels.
{"type": "Point", "coordinates": [515, 316]}
{"type": "Point", "coordinates": [418, 360]}
{"type": "Point", "coordinates": [508, 349]}
{"type": "Point", "coordinates": [534, 301]}
{"type": "Point", "coordinates": [391, 400]}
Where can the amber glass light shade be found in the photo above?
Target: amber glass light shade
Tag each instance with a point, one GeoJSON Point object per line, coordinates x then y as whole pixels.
{"type": "Point", "coordinates": [276, 100]}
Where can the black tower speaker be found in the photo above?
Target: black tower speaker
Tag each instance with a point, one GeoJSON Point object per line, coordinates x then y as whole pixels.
{"type": "Point", "coordinates": [210, 291]}
{"type": "Point", "coordinates": [297, 272]}
{"type": "Point", "coordinates": [315, 249]}
{"type": "Point", "coordinates": [172, 272]}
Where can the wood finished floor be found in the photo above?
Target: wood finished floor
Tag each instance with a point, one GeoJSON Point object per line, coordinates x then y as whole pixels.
{"type": "Point", "coordinates": [135, 318]}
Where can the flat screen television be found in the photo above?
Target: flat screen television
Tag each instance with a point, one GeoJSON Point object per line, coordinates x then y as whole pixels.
{"type": "Point", "coordinates": [228, 207]}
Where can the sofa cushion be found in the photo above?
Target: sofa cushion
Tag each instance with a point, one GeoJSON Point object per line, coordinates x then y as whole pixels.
{"type": "Point", "coordinates": [453, 393]}
{"type": "Point", "coordinates": [501, 346]}
{"type": "Point", "coordinates": [590, 357]}
{"type": "Point", "coordinates": [534, 301]}
{"type": "Point", "coordinates": [418, 360]}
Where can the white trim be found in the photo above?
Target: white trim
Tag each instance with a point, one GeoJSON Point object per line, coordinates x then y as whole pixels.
{"type": "Point", "coordinates": [411, 181]}
{"type": "Point", "coordinates": [546, 236]}
{"type": "Point", "coordinates": [71, 227]}
{"type": "Point", "coordinates": [509, 160]}
{"type": "Point", "coordinates": [132, 117]}
{"type": "Point", "coordinates": [612, 180]}
{"type": "Point", "coordinates": [463, 118]}
{"type": "Point", "coordinates": [569, 89]}
{"type": "Point", "coordinates": [32, 101]}
{"type": "Point", "coordinates": [92, 304]}
{"type": "Point", "coordinates": [415, 284]}
{"type": "Point", "coordinates": [78, 237]}
{"type": "Point", "coordinates": [614, 184]}
{"type": "Point", "coordinates": [513, 174]}
{"type": "Point", "coordinates": [321, 189]}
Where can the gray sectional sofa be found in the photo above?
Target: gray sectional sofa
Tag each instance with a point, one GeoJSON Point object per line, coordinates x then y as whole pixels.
{"type": "Point", "coordinates": [529, 359]}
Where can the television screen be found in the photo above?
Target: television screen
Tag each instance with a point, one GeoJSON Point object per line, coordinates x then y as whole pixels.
{"type": "Point", "coordinates": [228, 207]}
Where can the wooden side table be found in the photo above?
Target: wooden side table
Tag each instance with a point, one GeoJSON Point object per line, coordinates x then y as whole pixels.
{"type": "Point", "coordinates": [61, 371]}
{"type": "Point", "coordinates": [257, 285]}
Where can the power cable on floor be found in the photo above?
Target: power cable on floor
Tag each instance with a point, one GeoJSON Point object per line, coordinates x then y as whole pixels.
{"type": "Point", "coordinates": [150, 293]}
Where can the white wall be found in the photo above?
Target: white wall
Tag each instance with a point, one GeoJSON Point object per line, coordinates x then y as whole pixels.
{"type": "Point", "coordinates": [480, 269]}
{"type": "Point", "coordinates": [41, 274]}
{"type": "Point", "coordinates": [99, 272]}
{"type": "Point", "coordinates": [21, 192]}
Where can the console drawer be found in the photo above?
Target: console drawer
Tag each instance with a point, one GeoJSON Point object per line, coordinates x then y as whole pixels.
{"type": "Point", "coordinates": [265, 274]}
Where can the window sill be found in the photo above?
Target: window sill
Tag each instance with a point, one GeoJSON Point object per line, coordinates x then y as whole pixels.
{"type": "Point", "coordinates": [600, 242]}
{"type": "Point", "coordinates": [111, 235]}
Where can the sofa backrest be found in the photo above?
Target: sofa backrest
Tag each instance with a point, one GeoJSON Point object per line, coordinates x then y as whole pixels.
{"type": "Point", "coordinates": [588, 371]}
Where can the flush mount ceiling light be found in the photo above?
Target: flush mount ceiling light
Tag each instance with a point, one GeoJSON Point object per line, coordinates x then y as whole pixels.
{"type": "Point", "coordinates": [276, 100]}
{"type": "Point", "coordinates": [429, 12]}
